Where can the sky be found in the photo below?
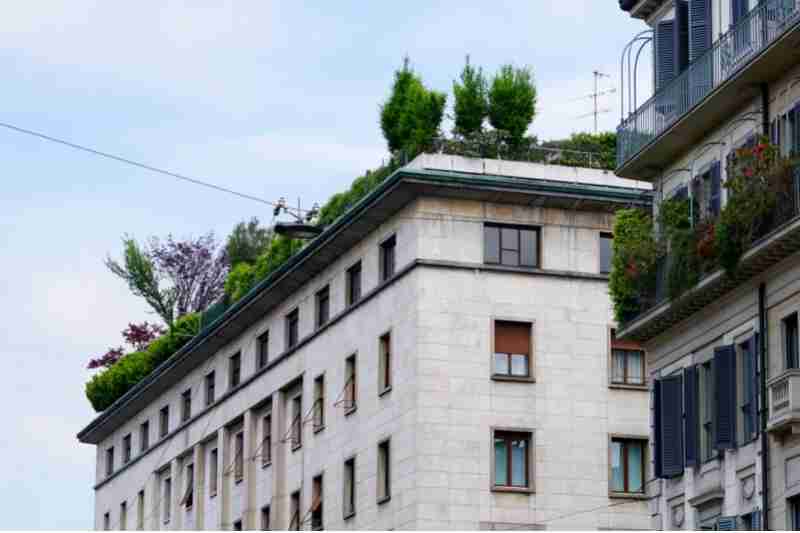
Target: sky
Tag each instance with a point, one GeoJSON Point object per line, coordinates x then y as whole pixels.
{"type": "Point", "coordinates": [273, 99]}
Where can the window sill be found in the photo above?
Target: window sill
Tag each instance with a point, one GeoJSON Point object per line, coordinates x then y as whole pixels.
{"type": "Point", "coordinates": [350, 410]}
{"type": "Point", "coordinates": [348, 516]}
{"type": "Point", "coordinates": [513, 379]}
{"type": "Point", "coordinates": [296, 447]}
{"type": "Point", "coordinates": [514, 490]}
{"type": "Point", "coordinates": [266, 465]}
{"type": "Point", "coordinates": [384, 499]}
{"type": "Point", "coordinates": [627, 495]}
{"type": "Point", "coordinates": [385, 391]}
{"type": "Point", "coordinates": [237, 481]}
{"type": "Point", "coordinates": [626, 386]}
{"type": "Point", "coordinates": [317, 429]}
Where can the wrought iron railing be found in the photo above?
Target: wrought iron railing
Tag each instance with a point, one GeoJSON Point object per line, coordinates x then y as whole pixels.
{"type": "Point", "coordinates": [729, 54]}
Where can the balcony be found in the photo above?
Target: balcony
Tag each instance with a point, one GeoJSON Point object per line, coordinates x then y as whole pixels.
{"type": "Point", "coordinates": [784, 402]}
{"type": "Point", "coordinates": [758, 50]}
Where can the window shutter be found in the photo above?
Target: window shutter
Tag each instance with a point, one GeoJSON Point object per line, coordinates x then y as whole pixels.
{"type": "Point", "coordinates": [699, 28]}
{"type": "Point", "coordinates": [726, 523]}
{"type": "Point", "coordinates": [754, 387]}
{"type": "Point", "coordinates": [681, 35]}
{"type": "Point", "coordinates": [756, 520]}
{"type": "Point", "coordinates": [738, 10]}
{"type": "Point", "coordinates": [657, 469]}
{"type": "Point", "coordinates": [690, 416]}
{"type": "Point", "coordinates": [672, 426]}
{"type": "Point", "coordinates": [795, 140]}
{"type": "Point", "coordinates": [715, 201]}
{"type": "Point", "coordinates": [725, 397]}
{"type": "Point", "coordinates": [512, 337]}
{"type": "Point", "coordinates": [665, 53]}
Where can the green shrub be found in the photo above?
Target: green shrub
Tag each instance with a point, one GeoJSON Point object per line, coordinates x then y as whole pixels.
{"type": "Point", "coordinates": [633, 261]}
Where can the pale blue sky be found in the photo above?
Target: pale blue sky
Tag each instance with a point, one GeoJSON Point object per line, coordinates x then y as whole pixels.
{"type": "Point", "coordinates": [273, 99]}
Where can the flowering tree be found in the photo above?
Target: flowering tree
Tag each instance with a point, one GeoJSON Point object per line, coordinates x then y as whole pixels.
{"type": "Point", "coordinates": [138, 336]}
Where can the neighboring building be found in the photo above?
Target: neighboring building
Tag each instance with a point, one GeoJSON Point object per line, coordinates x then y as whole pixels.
{"type": "Point", "coordinates": [440, 357]}
{"type": "Point", "coordinates": [722, 356]}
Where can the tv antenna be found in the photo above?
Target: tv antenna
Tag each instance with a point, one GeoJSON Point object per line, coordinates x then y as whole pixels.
{"type": "Point", "coordinates": [595, 97]}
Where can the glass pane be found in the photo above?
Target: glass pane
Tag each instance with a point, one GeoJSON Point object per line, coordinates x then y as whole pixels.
{"type": "Point", "coordinates": [635, 368]}
{"type": "Point", "coordinates": [510, 239]}
{"type": "Point", "coordinates": [500, 462]}
{"type": "Point", "coordinates": [519, 365]}
{"type": "Point", "coordinates": [618, 366]}
{"type": "Point", "coordinates": [634, 466]}
{"type": "Point", "coordinates": [528, 243]}
{"type": "Point", "coordinates": [510, 258]}
{"type": "Point", "coordinates": [617, 472]}
{"type": "Point", "coordinates": [519, 476]}
{"type": "Point", "coordinates": [501, 364]}
{"type": "Point", "coordinates": [491, 244]}
{"type": "Point", "coordinates": [605, 253]}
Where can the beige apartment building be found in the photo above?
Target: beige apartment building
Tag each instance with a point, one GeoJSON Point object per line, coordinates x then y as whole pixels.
{"type": "Point", "coordinates": [441, 357]}
{"type": "Point", "coordinates": [722, 357]}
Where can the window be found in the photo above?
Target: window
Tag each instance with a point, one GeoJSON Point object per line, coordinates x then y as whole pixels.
{"type": "Point", "coordinates": [265, 525]}
{"type": "Point", "coordinates": [706, 194]}
{"type": "Point", "coordinates": [140, 510]}
{"type": "Point", "coordinates": [295, 520]}
{"type": "Point", "coordinates": [706, 404]}
{"type": "Point", "coordinates": [512, 348]}
{"type": "Point", "coordinates": [163, 421]}
{"type": "Point", "coordinates": [606, 249]}
{"type": "Point", "coordinates": [349, 498]}
{"type": "Point", "coordinates": [144, 436]}
{"type": "Point", "coordinates": [354, 284]}
{"type": "Point", "coordinates": [213, 465]}
{"type": "Point", "coordinates": [237, 525]}
{"type": "Point", "coordinates": [510, 245]}
{"type": "Point", "coordinates": [263, 349]}
{"type": "Point", "coordinates": [790, 348]}
{"type": "Point", "coordinates": [210, 386]}
{"type": "Point", "coordinates": [188, 495]}
{"type": "Point", "coordinates": [350, 385]}
{"type": "Point", "coordinates": [235, 370]}
{"type": "Point", "coordinates": [384, 472]}
{"type": "Point", "coordinates": [316, 503]}
{"type": "Point", "coordinates": [746, 390]}
{"type": "Point", "coordinates": [266, 440]}
{"type": "Point", "coordinates": [110, 461]}
{"type": "Point", "coordinates": [297, 422]}
{"type": "Point", "coordinates": [794, 512]}
{"type": "Point", "coordinates": [238, 459]}
{"type": "Point", "coordinates": [167, 499]}
{"type": "Point", "coordinates": [123, 516]}
{"type": "Point", "coordinates": [627, 362]}
{"type": "Point", "coordinates": [627, 465]}
{"type": "Point", "coordinates": [385, 363]}
{"type": "Point", "coordinates": [292, 332]}
{"type": "Point", "coordinates": [186, 405]}
{"type": "Point", "coordinates": [126, 449]}
{"type": "Point", "coordinates": [387, 258]}
{"type": "Point", "coordinates": [323, 306]}
{"type": "Point", "coordinates": [751, 521]}
{"type": "Point", "coordinates": [512, 460]}
{"type": "Point", "coordinates": [319, 402]}
{"type": "Point", "coordinates": [107, 521]}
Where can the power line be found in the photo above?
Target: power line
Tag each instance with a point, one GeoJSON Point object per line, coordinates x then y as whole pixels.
{"type": "Point", "coordinates": [138, 164]}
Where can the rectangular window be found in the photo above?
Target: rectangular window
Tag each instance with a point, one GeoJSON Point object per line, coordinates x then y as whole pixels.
{"type": "Point", "coordinates": [350, 385]}
{"type": "Point", "coordinates": [140, 510]}
{"type": "Point", "coordinates": [790, 348]}
{"type": "Point", "coordinates": [266, 440]}
{"type": "Point", "coordinates": [188, 492]}
{"type": "Point", "coordinates": [384, 472]}
{"type": "Point", "coordinates": [385, 363]}
{"type": "Point", "coordinates": [107, 522]}
{"type": "Point", "coordinates": [186, 405]}
{"type": "Point", "coordinates": [144, 436]}
{"type": "Point", "coordinates": [295, 520]}
{"type": "Point", "coordinates": [354, 284]}
{"type": "Point", "coordinates": [238, 459]}
{"type": "Point", "coordinates": [349, 497]}
{"type": "Point", "coordinates": [512, 459]}
{"type": "Point", "coordinates": [163, 421]}
{"type": "Point", "coordinates": [123, 516]}
{"type": "Point", "coordinates": [292, 329]}
{"type": "Point", "coordinates": [263, 349]}
{"type": "Point", "coordinates": [167, 499]}
{"type": "Point", "coordinates": [319, 402]}
{"type": "Point", "coordinates": [297, 422]}
{"type": "Point", "coordinates": [746, 388]}
{"type": "Point", "coordinates": [323, 306]}
{"type": "Point", "coordinates": [794, 512]}
{"type": "Point", "coordinates": [213, 465]}
{"type": "Point", "coordinates": [512, 349]}
{"type": "Point", "coordinates": [511, 245]}
{"type": "Point", "coordinates": [126, 449]}
{"type": "Point", "coordinates": [265, 525]}
{"type": "Point", "coordinates": [706, 403]}
{"type": "Point", "coordinates": [235, 370]}
{"type": "Point", "coordinates": [387, 258]}
{"type": "Point", "coordinates": [210, 388]}
{"type": "Point", "coordinates": [606, 252]}
{"type": "Point", "coordinates": [110, 461]}
{"type": "Point", "coordinates": [316, 503]}
{"type": "Point", "coordinates": [627, 362]}
{"type": "Point", "coordinates": [627, 465]}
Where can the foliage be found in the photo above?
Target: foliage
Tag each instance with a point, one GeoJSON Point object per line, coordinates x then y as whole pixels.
{"type": "Point", "coordinates": [246, 276]}
{"type": "Point", "coordinates": [174, 277]}
{"type": "Point", "coordinates": [139, 336]}
{"type": "Point", "coordinates": [105, 387]}
{"type": "Point", "coordinates": [512, 101]}
{"type": "Point", "coordinates": [634, 256]}
{"type": "Point", "coordinates": [471, 104]}
{"type": "Point", "coordinates": [604, 145]}
{"type": "Point", "coordinates": [247, 241]}
{"type": "Point", "coordinates": [410, 118]}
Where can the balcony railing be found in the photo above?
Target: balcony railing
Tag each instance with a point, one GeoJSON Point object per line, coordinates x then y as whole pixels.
{"type": "Point", "coordinates": [729, 54]}
{"type": "Point", "coordinates": [784, 402]}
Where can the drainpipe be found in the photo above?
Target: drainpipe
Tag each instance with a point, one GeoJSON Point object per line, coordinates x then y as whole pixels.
{"type": "Point", "coordinates": [764, 109]}
{"type": "Point", "coordinates": [762, 339]}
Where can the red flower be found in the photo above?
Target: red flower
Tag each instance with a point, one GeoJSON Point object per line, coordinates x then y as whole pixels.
{"type": "Point", "coordinates": [748, 172]}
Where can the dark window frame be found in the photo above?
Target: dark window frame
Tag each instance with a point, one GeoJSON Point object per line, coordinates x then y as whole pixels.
{"type": "Point", "coordinates": [510, 375]}
{"type": "Point", "coordinates": [625, 442]}
{"type": "Point", "coordinates": [508, 437]}
{"type": "Point", "coordinates": [109, 461]}
{"type": "Point", "coordinates": [262, 349]}
{"type": "Point", "coordinates": [388, 257]}
{"type": "Point", "coordinates": [296, 428]}
{"type": "Point", "coordinates": [292, 326]}
{"type": "Point", "coordinates": [210, 387]}
{"type": "Point", "coordinates": [238, 456]}
{"type": "Point", "coordinates": [385, 363]}
{"type": "Point", "coordinates": [318, 416]}
{"type": "Point", "coordinates": [265, 518]}
{"type": "Point", "coordinates": [790, 333]}
{"type": "Point", "coordinates": [323, 306]}
{"type": "Point", "coordinates": [349, 498]}
{"type": "Point", "coordinates": [605, 268]}
{"type": "Point", "coordinates": [627, 379]}
{"type": "Point", "coordinates": [213, 472]}
{"type": "Point", "coordinates": [186, 405]}
{"type": "Point", "coordinates": [354, 283]}
{"type": "Point", "coordinates": [350, 399]}
{"type": "Point", "coordinates": [266, 440]}
{"type": "Point", "coordinates": [506, 244]}
{"type": "Point", "coordinates": [295, 516]}
{"type": "Point", "coordinates": [127, 448]}
{"type": "Point", "coordinates": [317, 502]}
{"type": "Point", "coordinates": [384, 490]}
{"type": "Point", "coordinates": [163, 422]}
{"type": "Point", "coordinates": [144, 436]}
{"type": "Point", "coordinates": [235, 370]}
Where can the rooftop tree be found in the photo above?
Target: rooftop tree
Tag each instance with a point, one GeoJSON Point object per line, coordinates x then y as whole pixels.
{"type": "Point", "coordinates": [471, 101]}
{"type": "Point", "coordinates": [247, 241]}
{"type": "Point", "coordinates": [512, 101]}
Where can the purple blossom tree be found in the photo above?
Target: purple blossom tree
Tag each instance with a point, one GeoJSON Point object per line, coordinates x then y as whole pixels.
{"type": "Point", "coordinates": [138, 336]}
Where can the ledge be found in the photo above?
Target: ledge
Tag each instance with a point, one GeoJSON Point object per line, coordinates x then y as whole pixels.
{"type": "Point", "coordinates": [513, 490]}
{"type": "Point", "coordinates": [513, 379]}
{"type": "Point", "coordinates": [628, 495]}
{"type": "Point", "coordinates": [622, 386]}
